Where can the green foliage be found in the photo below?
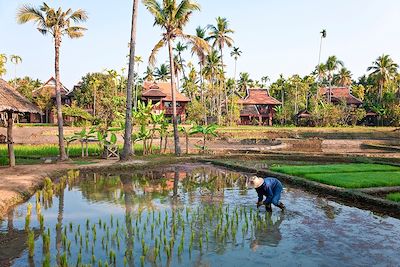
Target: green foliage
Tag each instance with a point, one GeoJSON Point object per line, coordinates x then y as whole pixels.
{"type": "Point", "coordinates": [26, 86]}
{"type": "Point", "coordinates": [206, 132]}
{"type": "Point", "coordinates": [76, 112]}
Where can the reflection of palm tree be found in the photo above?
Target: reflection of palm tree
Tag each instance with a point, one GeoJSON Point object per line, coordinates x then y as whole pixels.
{"type": "Point", "coordinates": [59, 222]}
{"type": "Point", "coordinates": [129, 193]}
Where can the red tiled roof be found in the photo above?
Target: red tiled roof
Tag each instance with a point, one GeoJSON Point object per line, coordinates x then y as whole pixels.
{"type": "Point", "coordinates": [50, 86]}
{"type": "Point", "coordinates": [258, 97]}
{"type": "Point", "coordinates": [341, 93]}
{"type": "Point", "coordinates": [162, 90]}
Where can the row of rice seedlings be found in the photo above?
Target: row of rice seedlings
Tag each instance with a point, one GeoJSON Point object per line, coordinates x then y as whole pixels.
{"type": "Point", "coordinates": [157, 232]}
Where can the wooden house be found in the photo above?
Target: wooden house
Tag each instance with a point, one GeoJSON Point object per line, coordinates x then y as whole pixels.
{"type": "Point", "coordinates": [339, 95]}
{"type": "Point", "coordinates": [257, 107]}
{"type": "Point", "coordinates": [49, 90]}
{"type": "Point", "coordinates": [160, 94]}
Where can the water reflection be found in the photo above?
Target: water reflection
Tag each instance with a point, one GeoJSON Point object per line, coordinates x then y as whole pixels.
{"type": "Point", "coordinates": [269, 236]}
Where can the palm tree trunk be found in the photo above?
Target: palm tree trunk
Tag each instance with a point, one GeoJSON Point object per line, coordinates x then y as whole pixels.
{"type": "Point", "coordinates": [94, 101]}
{"type": "Point", "coordinates": [203, 103]}
{"type": "Point", "coordinates": [127, 150]}
{"type": "Point", "coordinates": [63, 154]}
{"type": "Point", "coordinates": [174, 117]}
{"type": "Point", "coordinates": [10, 141]}
{"type": "Point", "coordinates": [183, 69]}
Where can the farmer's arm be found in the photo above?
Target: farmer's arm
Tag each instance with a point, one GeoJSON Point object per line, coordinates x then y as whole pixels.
{"type": "Point", "coordinates": [260, 196]}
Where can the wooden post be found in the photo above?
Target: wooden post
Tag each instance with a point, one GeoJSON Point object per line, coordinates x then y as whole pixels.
{"type": "Point", "coordinates": [10, 142]}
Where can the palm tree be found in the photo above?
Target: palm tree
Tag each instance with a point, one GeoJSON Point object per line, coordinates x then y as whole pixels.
{"type": "Point", "coordinates": [323, 36]}
{"type": "Point", "coordinates": [236, 53]}
{"type": "Point", "coordinates": [3, 61]}
{"type": "Point", "coordinates": [320, 72]}
{"type": "Point", "coordinates": [383, 69]}
{"type": "Point", "coordinates": [264, 80]}
{"type": "Point", "coordinates": [172, 17]}
{"type": "Point", "coordinates": [344, 77]}
{"type": "Point", "coordinates": [15, 59]}
{"type": "Point", "coordinates": [332, 64]}
{"type": "Point", "coordinates": [179, 48]}
{"type": "Point", "coordinates": [211, 70]}
{"type": "Point", "coordinates": [138, 61]}
{"type": "Point", "coordinates": [149, 74]}
{"type": "Point", "coordinates": [220, 35]}
{"type": "Point", "coordinates": [244, 82]}
{"type": "Point", "coordinates": [162, 73]}
{"type": "Point", "coordinates": [58, 23]}
{"type": "Point", "coordinates": [200, 52]}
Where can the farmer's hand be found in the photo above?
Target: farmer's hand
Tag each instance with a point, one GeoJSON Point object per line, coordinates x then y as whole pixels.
{"type": "Point", "coordinates": [259, 204]}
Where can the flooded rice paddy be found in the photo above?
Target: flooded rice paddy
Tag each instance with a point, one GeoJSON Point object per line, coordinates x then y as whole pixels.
{"type": "Point", "coordinates": [188, 215]}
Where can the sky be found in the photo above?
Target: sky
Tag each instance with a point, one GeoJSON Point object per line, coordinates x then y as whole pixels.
{"type": "Point", "coordinates": [276, 37]}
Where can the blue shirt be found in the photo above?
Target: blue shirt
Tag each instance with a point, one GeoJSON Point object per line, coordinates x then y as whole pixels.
{"type": "Point", "coordinates": [268, 189]}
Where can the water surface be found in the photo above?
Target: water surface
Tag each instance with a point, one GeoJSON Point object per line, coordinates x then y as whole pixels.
{"type": "Point", "coordinates": [191, 215]}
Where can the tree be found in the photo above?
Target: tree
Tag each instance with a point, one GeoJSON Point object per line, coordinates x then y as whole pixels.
{"type": "Point", "coordinates": [206, 132]}
{"type": "Point", "coordinates": [3, 61]}
{"type": "Point", "coordinates": [15, 59]}
{"type": "Point", "coordinates": [58, 23]}
{"type": "Point", "coordinates": [235, 53]}
{"type": "Point", "coordinates": [138, 60]}
{"type": "Point", "coordinates": [332, 64]}
{"type": "Point", "coordinates": [127, 151]}
{"type": "Point", "coordinates": [244, 82]}
{"type": "Point", "coordinates": [180, 48]}
{"type": "Point", "coordinates": [149, 74]}
{"type": "Point", "coordinates": [200, 52]}
{"type": "Point", "coordinates": [383, 69]}
{"type": "Point", "coordinates": [343, 78]}
{"type": "Point", "coordinates": [172, 17]}
{"type": "Point", "coordinates": [220, 35]}
{"type": "Point", "coordinates": [162, 73]}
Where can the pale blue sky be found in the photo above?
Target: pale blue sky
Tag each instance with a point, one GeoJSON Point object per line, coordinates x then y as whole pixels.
{"type": "Point", "coordinates": [275, 36]}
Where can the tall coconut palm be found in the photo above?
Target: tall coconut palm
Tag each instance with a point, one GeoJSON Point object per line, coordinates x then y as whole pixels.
{"type": "Point", "coordinates": [138, 61]}
{"type": "Point", "coordinates": [15, 59]}
{"type": "Point", "coordinates": [211, 71]}
{"type": "Point", "coordinates": [244, 82]}
{"type": "Point", "coordinates": [383, 69]}
{"type": "Point", "coordinates": [57, 23]}
{"type": "Point", "coordinates": [332, 64]}
{"type": "Point", "coordinates": [235, 53]}
{"type": "Point", "coordinates": [323, 36]}
{"type": "Point", "coordinates": [172, 16]}
{"type": "Point", "coordinates": [162, 73]}
{"type": "Point", "coordinates": [320, 72]}
{"type": "Point", "coordinates": [201, 55]}
{"type": "Point", "coordinates": [149, 74]}
{"type": "Point", "coordinates": [343, 78]}
{"type": "Point", "coordinates": [180, 48]}
{"type": "Point", "coordinates": [3, 61]}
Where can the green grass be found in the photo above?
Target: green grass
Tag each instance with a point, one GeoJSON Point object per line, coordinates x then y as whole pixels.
{"type": "Point", "coordinates": [32, 154]}
{"type": "Point", "coordinates": [346, 175]}
{"type": "Point", "coordinates": [393, 197]}
{"type": "Point", "coordinates": [333, 168]}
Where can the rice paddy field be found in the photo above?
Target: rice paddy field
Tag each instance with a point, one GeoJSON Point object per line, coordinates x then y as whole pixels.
{"type": "Point", "coordinates": [353, 175]}
{"type": "Point", "coordinates": [188, 215]}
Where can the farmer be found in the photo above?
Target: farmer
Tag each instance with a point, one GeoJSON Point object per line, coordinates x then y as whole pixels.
{"type": "Point", "coordinates": [269, 187]}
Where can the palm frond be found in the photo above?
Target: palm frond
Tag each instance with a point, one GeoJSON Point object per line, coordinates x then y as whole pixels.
{"type": "Point", "coordinates": [157, 47]}
{"type": "Point", "coordinates": [75, 32]}
{"type": "Point", "coordinates": [28, 13]}
{"type": "Point", "coordinates": [79, 15]}
{"type": "Point", "coordinates": [155, 9]}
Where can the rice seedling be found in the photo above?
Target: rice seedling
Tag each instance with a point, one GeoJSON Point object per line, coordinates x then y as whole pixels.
{"type": "Point", "coordinates": [46, 261]}
{"type": "Point", "coordinates": [41, 222]}
{"type": "Point", "coordinates": [99, 263]}
{"type": "Point", "coordinates": [142, 258]}
{"type": "Point", "coordinates": [79, 259]}
{"type": "Point", "coordinates": [64, 260]}
{"type": "Point", "coordinates": [31, 243]}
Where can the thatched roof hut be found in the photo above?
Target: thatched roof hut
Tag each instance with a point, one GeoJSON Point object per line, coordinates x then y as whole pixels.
{"type": "Point", "coordinates": [11, 101]}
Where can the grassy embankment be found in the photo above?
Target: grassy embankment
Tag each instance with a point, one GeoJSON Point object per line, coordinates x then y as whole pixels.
{"type": "Point", "coordinates": [32, 154]}
{"type": "Point", "coordinates": [346, 175]}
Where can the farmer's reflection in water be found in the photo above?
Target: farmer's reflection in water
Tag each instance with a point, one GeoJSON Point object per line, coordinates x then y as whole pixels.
{"type": "Point", "coordinates": [270, 235]}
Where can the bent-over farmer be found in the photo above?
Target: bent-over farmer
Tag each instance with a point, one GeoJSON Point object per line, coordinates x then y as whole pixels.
{"type": "Point", "coordinates": [269, 187]}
